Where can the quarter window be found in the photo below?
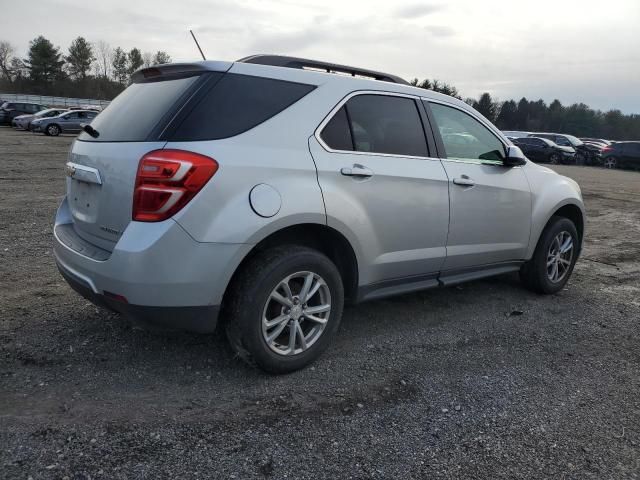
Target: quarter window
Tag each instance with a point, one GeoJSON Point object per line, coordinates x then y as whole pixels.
{"type": "Point", "coordinates": [466, 138]}
{"type": "Point", "coordinates": [336, 134]}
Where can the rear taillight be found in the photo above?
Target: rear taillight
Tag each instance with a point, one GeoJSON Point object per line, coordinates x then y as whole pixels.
{"type": "Point", "coordinates": [606, 149]}
{"type": "Point", "coordinates": [167, 180]}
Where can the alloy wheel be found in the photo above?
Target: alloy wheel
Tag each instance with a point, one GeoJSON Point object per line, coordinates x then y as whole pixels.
{"type": "Point", "coordinates": [610, 162]}
{"type": "Point", "coordinates": [559, 257]}
{"type": "Point", "coordinates": [296, 313]}
{"type": "Point", "coordinates": [554, 159]}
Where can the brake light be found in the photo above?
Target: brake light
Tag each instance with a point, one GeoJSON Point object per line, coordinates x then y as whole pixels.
{"type": "Point", "coordinates": [608, 148]}
{"type": "Point", "coordinates": [167, 180]}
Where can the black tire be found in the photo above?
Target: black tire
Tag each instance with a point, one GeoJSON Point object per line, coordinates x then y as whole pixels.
{"type": "Point", "coordinates": [610, 162]}
{"type": "Point", "coordinates": [554, 159]}
{"type": "Point", "coordinates": [248, 296]}
{"type": "Point", "coordinates": [52, 130]}
{"type": "Point", "coordinates": [534, 272]}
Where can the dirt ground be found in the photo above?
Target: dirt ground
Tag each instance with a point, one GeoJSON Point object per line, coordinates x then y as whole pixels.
{"type": "Point", "coordinates": [486, 380]}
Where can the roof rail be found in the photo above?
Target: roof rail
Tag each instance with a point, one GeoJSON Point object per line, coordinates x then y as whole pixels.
{"type": "Point", "coordinates": [307, 64]}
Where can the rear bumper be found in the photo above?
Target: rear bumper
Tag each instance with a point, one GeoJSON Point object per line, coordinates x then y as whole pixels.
{"type": "Point", "coordinates": [201, 319]}
{"type": "Point", "coordinates": [166, 277]}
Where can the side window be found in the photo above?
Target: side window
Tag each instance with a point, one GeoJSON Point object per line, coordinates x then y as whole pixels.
{"type": "Point", "coordinates": [386, 124]}
{"type": "Point", "coordinates": [336, 134]}
{"type": "Point", "coordinates": [238, 103]}
{"type": "Point", "coordinates": [464, 137]}
{"type": "Point", "coordinates": [537, 142]}
{"type": "Point", "coordinates": [563, 142]}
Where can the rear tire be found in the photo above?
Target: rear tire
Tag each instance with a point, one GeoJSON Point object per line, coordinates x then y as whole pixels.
{"type": "Point", "coordinates": [539, 273]}
{"type": "Point", "coordinates": [275, 327]}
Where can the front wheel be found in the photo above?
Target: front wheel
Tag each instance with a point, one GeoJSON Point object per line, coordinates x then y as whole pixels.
{"type": "Point", "coordinates": [53, 130]}
{"type": "Point", "coordinates": [284, 308]}
{"type": "Point", "coordinates": [610, 162]}
{"type": "Point", "coordinates": [552, 263]}
{"type": "Point", "coordinates": [554, 159]}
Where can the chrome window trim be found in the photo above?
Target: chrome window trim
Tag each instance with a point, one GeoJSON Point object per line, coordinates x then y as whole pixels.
{"type": "Point", "coordinates": [341, 103]}
{"type": "Point", "coordinates": [491, 128]}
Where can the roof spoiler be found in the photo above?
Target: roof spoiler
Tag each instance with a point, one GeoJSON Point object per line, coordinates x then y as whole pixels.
{"type": "Point", "coordinates": [170, 69]}
{"type": "Point", "coordinates": [307, 64]}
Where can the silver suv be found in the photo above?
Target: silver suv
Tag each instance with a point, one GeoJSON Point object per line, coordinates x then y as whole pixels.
{"type": "Point", "coordinates": [264, 193]}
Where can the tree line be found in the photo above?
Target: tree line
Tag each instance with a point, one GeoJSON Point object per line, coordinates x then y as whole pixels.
{"type": "Point", "coordinates": [536, 116]}
{"type": "Point", "coordinates": [96, 70]}
{"type": "Point", "coordinates": [86, 70]}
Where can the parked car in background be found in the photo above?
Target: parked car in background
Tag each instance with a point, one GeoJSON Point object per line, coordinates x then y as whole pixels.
{"type": "Point", "coordinates": [584, 155]}
{"type": "Point", "coordinates": [69, 122]}
{"type": "Point", "coordinates": [24, 121]}
{"type": "Point", "coordinates": [544, 150]}
{"type": "Point", "coordinates": [272, 193]}
{"type": "Point", "coordinates": [597, 140]}
{"type": "Point", "coordinates": [622, 155]}
{"type": "Point", "coordinates": [515, 134]}
{"type": "Point", "coordinates": [10, 110]}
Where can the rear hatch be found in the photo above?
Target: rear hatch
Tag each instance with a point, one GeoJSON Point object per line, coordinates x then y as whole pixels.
{"type": "Point", "coordinates": [101, 170]}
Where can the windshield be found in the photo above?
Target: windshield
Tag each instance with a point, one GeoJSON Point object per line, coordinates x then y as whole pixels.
{"type": "Point", "coordinates": [574, 141]}
{"type": "Point", "coordinates": [133, 115]}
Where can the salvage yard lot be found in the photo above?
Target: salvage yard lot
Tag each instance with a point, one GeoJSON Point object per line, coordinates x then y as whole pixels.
{"type": "Point", "coordinates": [486, 380]}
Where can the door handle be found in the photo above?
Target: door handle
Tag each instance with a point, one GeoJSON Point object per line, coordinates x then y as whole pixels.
{"type": "Point", "coordinates": [464, 181]}
{"type": "Point", "coordinates": [356, 170]}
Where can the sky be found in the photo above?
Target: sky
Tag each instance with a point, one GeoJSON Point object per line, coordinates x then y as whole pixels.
{"type": "Point", "coordinates": [576, 51]}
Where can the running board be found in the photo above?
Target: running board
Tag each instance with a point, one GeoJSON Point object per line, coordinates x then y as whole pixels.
{"type": "Point", "coordinates": [423, 282]}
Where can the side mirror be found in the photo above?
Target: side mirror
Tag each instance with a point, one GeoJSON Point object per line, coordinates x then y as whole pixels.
{"type": "Point", "coordinates": [514, 157]}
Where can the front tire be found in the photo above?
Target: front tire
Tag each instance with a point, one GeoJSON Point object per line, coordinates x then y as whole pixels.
{"type": "Point", "coordinates": [554, 159]}
{"type": "Point", "coordinates": [610, 162]}
{"type": "Point", "coordinates": [552, 263]}
{"type": "Point", "coordinates": [284, 308]}
{"type": "Point", "coordinates": [53, 130]}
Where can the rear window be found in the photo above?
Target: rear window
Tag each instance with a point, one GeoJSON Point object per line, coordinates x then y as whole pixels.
{"type": "Point", "coordinates": [133, 115]}
{"type": "Point", "coordinates": [236, 104]}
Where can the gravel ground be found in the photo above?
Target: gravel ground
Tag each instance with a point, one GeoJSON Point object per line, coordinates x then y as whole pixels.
{"type": "Point", "coordinates": [486, 380]}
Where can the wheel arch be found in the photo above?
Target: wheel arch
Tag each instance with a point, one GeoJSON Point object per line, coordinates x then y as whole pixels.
{"type": "Point", "coordinates": [321, 237]}
{"type": "Point", "coordinates": [572, 211]}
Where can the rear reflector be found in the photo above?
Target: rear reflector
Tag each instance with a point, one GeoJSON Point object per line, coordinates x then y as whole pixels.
{"type": "Point", "coordinates": [167, 180]}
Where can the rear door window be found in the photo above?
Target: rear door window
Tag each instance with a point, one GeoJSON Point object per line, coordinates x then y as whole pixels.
{"type": "Point", "coordinates": [386, 124]}
{"type": "Point", "coordinates": [237, 103]}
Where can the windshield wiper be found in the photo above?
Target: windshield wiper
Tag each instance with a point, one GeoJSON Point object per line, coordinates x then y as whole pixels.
{"type": "Point", "coordinates": [91, 131]}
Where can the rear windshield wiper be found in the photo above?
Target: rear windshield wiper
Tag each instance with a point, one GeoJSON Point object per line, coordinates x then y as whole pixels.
{"type": "Point", "coordinates": [91, 131]}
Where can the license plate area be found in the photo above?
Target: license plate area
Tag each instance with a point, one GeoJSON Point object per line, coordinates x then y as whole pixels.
{"type": "Point", "coordinates": [83, 200]}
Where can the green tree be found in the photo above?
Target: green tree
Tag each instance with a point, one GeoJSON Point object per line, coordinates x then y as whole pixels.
{"type": "Point", "coordinates": [44, 61]}
{"type": "Point", "coordinates": [436, 86]}
{"type": "Point", "coordinates": [507, 116]}
{"type": "Point", "coordinates": [120, 66]}
{"type": "Point", "coordinates": [486, 106]}
{"type": "Point", "coordinates": [161, 57]}
{"type": "Point", "coordinates": [135, 60]}
{"type": "Point", "coordinates": [80, 58]}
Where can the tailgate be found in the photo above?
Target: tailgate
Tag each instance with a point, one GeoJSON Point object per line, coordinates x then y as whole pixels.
{"type": "Point", "coordinates": [100, 181]}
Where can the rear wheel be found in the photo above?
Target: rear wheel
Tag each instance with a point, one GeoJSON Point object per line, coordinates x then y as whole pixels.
{"type": "Point", "coordinates": [53, 130]}
{"type": "Point", "coordinates": [554, 258]}
{"type": "Point", "coordinates": [610, 162]}
{"type": "Point", "coordinates": [284, 308]}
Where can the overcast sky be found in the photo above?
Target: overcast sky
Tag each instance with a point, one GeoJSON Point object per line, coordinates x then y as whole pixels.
{"type": "Point", "coordinates": [576, 51]}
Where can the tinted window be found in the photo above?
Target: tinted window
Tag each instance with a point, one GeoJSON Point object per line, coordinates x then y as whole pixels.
{"type": "Point", "coordinates": [386, 124]}
{"type": "Point", "coordinates": [133, 115]}
{"type": "Point", "coordinates": [465, 137]}
{"type": "Point", "coordinates": [70, 116]}
{"type": "Point", "coordinates": [237, 103]}
{"type": "Point", "coordinates": [537, 142]}
{"type": "Point", "coordinates": [563, 142]}
{"type": "Point", "coordinates": [336, 133]}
